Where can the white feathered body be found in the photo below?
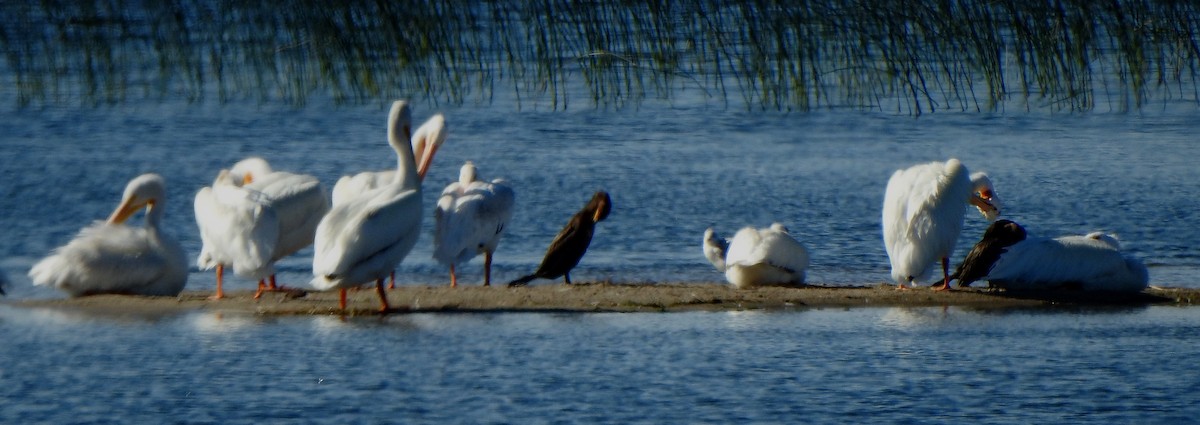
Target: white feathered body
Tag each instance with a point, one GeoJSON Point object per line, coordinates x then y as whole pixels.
{"type": "Point", "coordinates": [365, 238]}
{"type": "Point", "coordinates": [1092, 263]}
{"type": "Point", "coordinates": [765, 257]}
{"type": "Point", "coordinates": [470, 219]}
{"type": "Point", "coordinates": [251, 227]}
{"type": "Point", "coordinates": [111, 257]}
{"type": "Point", "coordinates": [923, 211]}
{"type": "Point", "coordinates": [115, 259]}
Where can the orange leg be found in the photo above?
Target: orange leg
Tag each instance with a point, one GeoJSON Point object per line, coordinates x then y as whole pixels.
{"type": "Point", "coordinates": [262, 287]}
{"type": "Point", "coordinates": [487, 268]}
{"type": "Point", "coordinates": [220, 277]}
{"type": "Point", "coordinates": [453, 279]}
{"type": "Point", "coordinates": [383, 303]}
{"type": "Point", "coordinates": [392, 282]}
{"type": "Point", "coordinates": [945, 275]}
{"type": "Point", "coordinates": [342, 299]}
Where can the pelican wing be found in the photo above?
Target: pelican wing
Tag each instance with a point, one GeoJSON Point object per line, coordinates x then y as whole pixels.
{"type": "Point", "coordinates": [752, 246]}
{"type": "Point", "coordinates": [299, 202]}
{"type": "Point", "coordinates": [367, 237]}
{"type": "Point", "coordinates": [349, 187]}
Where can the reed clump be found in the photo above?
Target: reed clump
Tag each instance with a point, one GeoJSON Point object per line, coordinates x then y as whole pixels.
{"type": "Point", "coordinates": [892, 55]}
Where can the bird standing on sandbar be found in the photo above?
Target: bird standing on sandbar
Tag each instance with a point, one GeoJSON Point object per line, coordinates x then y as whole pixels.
{"type": "Point", "coordinates": [366, 237]}
{"type": "Point", "coordinates": [572, 242]}
{"type": "Point", "coordinates": [923, 211]}
{"type": "Point", "coordinates": [253, 216]}
{"type": "Point", "coordinates": [470, 218]}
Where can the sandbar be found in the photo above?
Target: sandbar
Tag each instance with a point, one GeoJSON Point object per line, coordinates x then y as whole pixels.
{"type": "Point", "coordinates": [604, 297]}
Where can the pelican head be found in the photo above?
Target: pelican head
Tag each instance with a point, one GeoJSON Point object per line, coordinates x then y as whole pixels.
{"type": "Point", "coordinates": [778, 227]}
{"type": "Point", "coordinates": [467, 173]}
{"type": "Point", "coordinates": [245, 171]}
{"type": "Point", "coordinates": [141, 192]}
{"type": "Point", "coordinates": [399, 123]}
{"type": "Point", "coordinates": [983, 196]}
{"type": "Point", "coordinates": [600, 205]}
{"type": "Point", "coordinates": [715, 248]}
{"type": "Point", "coordinates": [426, 141]}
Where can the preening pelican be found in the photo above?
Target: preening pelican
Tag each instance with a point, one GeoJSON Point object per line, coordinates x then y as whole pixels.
{"type": "Point", "coordinates": [1092, 262]}
{"type": "Point", "coordinates": [571, 242]}
{"type": "Point", "coordinates": [470, 218]}
{"type": "Point", "coordinates": [923, 213]}
{"type": "Point", "coordinates": [995, 242]}
{"type": "Point", "coordinates": [715, 248]}
{"type": "Point", "coordinates": [425, 143]}
{"type": "Point", "coordinates": [368, 235]}
{"type": "Point", "coordinates": [110, 257]}
{"type": "Point", "coordinates": [765, 257]}
{"type": "Point", "coordinates": [253, 216]}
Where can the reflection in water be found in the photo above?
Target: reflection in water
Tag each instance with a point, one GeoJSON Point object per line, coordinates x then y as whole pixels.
{"type": "Point", "coordinates": [890, 55]}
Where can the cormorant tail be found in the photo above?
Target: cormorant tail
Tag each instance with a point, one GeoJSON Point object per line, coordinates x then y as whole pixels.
{"type": "Point", "coordinates": [522, 281]}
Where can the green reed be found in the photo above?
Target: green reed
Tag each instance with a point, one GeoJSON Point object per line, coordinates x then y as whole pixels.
{"type": "Point", "coordinates": [893, 55]}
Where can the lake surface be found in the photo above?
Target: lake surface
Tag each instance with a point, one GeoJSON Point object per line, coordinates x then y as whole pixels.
{"type": "Point", "coordinates": [925, 365]}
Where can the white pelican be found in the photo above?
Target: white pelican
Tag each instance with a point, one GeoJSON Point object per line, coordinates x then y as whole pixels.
{"type": "Point", "coordinates": [110, 257]}
{"type": "Point", "coordinates": [763, 257]}
{"type": "Point", "coordinates": [1091, 262]}
{"type": "Point", "coordinates": [470, 218]}
{"type": "Point", "coordinates": [715, 248]}
{"type": "Point", "coordinates": [923, 213]}
{"type": "Point", "coordinates": [367, 236]}
{"type": "Point", "coordinates": [572, 241]}
{"type": "Point", "coordinates": [252, 216]}
{"type": "Point", "coordinates": [425, 143]}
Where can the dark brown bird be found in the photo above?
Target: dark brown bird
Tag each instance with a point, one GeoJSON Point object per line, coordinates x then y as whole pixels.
{"type": "Point", "coordinates": [1000, 235]}
{"type": "Point", "coordinates": [572, 242]}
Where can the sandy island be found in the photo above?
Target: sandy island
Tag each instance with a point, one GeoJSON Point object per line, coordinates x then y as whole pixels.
{"type": "Point", "coordinates": [604, 297]}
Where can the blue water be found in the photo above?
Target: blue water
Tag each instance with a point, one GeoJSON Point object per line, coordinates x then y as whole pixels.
{"type": "Point", "coordinates": [672, 171]}
{"type": "Point", "coordinates": [806, 366]}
